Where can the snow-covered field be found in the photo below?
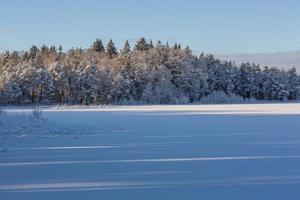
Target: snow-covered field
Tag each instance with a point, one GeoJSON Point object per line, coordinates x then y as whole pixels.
{"type": "Point", "coordinates": [236, 152]}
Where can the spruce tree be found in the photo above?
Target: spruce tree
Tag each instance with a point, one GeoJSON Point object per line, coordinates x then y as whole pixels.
{"type": "Point", "coordinates": [98, 46]}
{"type": "Point", "coordinates": [151, 46]}
{"type": "Point", "coordinates": [59, 53]}
{"type": "Point", "coordinates": [125, 56]}
{"type": "Point", "coordinates": [33, 51]}
{"type": "Point", "coordinates": [126, 49]}
{"type": "Point", "coordinates": [111, 49]}
{"type": "Point", "coordinates": [142, 45]}
{"type": "Point", "coordinates": [44, 49]}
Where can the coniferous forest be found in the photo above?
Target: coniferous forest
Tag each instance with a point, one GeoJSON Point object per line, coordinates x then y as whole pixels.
{"type": "Point", "coordinates": [146, 73]}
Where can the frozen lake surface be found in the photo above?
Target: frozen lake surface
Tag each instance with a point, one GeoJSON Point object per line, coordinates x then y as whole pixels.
{"type": "Point", "coordinates": [236, 152]}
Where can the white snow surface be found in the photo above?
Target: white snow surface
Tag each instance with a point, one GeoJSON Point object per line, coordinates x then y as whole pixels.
{"type": "Point", "coordinates": [243, 151]}
{"type": "Point", "coordinates": [268, 108]}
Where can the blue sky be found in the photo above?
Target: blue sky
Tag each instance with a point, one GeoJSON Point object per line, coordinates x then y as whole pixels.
{"type": "Point", "coordinates": [215, 26]}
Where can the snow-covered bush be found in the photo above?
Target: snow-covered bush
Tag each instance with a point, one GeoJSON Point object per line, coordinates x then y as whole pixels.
{"type": "Point", "coordinates": [37, 112]}
{"type": "Point", "coordinates": [219, 97]}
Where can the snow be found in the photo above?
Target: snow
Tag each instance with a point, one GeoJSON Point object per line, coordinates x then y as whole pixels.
{"type": "Point", "coordinates": [244, 151]}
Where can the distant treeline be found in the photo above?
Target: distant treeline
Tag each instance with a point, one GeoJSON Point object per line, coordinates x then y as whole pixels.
{"type": "Point", "coordinates": [147, 73]}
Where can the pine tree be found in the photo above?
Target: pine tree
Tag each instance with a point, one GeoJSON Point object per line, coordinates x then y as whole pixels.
{"type": "Point", "coordinates": [293, 84]}
{"type": "Point", "coordinates": [151, 46]}
{"type": "Point", "coordinates": [175, 46]}
{"type": "Point", "coordinates": [111, 49]}
{"type": "Point", "coordinates": [91, 84]}
{"type": "Point", "coordinates": [53, 49]}
{"type": "Point", "coordinates": [142, 45]}
{"type": "Point", "coordinates": [61, 82]}
{"type": "Point", "coordinates": [126, 49]}
{"type": "Point", "coordinates": [246, 81]}
{"type": "Point", "coordinates": [125, 56]}
{"type": "Point", "coordinates": [45, 86]}
{"type": "Point", "coordinates": [59, 53]}
{"type": "Point", "coordinates": [98, 46]}
{"type": "Point", "coordinates": [44, 49]}
{"type": "Point", "coordinates": [10, 87]}
{"type": "Point", "coordinates": [33, 51]}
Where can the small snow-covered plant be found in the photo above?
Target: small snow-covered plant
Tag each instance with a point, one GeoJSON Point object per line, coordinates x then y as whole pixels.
{"type": "Point", "coordinates": [37, 112]}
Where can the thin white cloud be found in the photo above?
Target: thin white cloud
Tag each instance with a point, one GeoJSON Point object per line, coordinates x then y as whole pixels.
{"type": "Point", "coordinates": [279, 59]}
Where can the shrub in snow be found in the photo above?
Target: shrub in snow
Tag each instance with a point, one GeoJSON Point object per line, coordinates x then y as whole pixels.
{"type": "Point", "coordinates": [37, 112]}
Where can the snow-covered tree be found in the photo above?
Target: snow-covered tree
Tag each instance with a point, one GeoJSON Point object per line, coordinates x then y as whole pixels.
{"type": "Point", "coordinates": [91, 84]}
{"type": "Point", "coordinates": [152, 74]}
{"type": "Point", "coordinates": [60, 78]}
{"type": "Point", "coordinates": [293, 84]}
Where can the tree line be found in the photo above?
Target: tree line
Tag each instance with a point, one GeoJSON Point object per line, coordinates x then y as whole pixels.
{"type": "Point", "coordinates": [148, 73]}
